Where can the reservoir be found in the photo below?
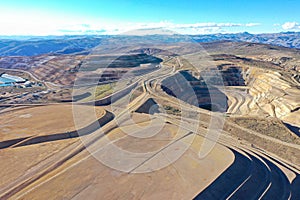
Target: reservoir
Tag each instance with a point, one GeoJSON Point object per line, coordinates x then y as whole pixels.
{"type": "Point", "coordinates": [7, 80]}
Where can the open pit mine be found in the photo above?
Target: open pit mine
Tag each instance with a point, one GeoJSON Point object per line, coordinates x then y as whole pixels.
{"type": "Point", "coordinates": [152, 120]}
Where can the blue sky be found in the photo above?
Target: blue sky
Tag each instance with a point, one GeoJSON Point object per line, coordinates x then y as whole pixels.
{"type": "Point", "coordinates": [40, 17]}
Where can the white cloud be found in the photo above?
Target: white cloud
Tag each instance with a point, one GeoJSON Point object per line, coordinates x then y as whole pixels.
{"type": "Point", "coordinates": [120, 28]}
{"type": "Point", "coordinates": [252, 24]}
{"type": "Point", "coordinates": [291, 26]}
{"type": "Point", "coordinates": [26, 23]}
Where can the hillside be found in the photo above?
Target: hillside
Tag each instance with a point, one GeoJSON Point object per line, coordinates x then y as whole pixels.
{"type": "Point", "coordinates": [31, 46]}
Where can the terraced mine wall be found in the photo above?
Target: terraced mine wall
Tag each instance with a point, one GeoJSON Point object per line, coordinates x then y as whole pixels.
{"type": "Point", "coordinates": [189, 89]}
{"type": "Point", "coordinates": [95, 62]}
{"type": "Point", "coordinates": [273, 92]}
{"type": "Point", "coordinates": [257, 90]}
{"type": "Point", "coordinates": [267, 90]}
{"type": "Point", "coordinates": [275, 95]}
{"type": "Point", "coordinates": [112, 75]}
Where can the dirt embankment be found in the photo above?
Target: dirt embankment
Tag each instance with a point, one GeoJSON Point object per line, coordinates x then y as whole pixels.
{"type": "Point", "coordinates": [49, 123]}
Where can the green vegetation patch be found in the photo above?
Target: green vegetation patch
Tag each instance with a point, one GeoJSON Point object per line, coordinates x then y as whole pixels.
{"type": "Point", "coordinates": [171, 110]}
{"type": "Point", "coordinates": [101, 91]}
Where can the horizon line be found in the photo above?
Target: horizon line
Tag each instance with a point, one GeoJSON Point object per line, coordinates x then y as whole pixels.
{"type": "Point", "coordinates": [86, 34]}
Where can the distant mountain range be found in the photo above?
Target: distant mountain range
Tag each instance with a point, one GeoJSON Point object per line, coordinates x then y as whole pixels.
{"type": "Point", "coordinates": [44, 45]}
{"type": "Point", "coordinates": [286, 39]}
{"type": "Point", "coordinates": [32, 46]}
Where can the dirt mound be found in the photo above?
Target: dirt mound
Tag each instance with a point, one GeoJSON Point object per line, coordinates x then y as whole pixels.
{"type": "Point", "coordinates": [149, 107]}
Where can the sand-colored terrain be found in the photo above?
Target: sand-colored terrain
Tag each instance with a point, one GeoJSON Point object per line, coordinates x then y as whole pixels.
{"type": "Point", "coordinates": [45, 120]}
{"type": "Point", "coordinates": [85, 176]}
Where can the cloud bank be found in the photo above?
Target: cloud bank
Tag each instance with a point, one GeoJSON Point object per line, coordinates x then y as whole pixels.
{"type": "Point", "coordinates": [27, 23]}
{"type": "Point", "coordinates": [30, 24]}
{"type": "Point", "coordinates": [119, 28]}
{"type": "Point", "coordinates": [291, 26]}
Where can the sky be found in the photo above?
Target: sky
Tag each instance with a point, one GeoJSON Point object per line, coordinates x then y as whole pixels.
{"type": "Point", "coordinates": [64, 17]}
